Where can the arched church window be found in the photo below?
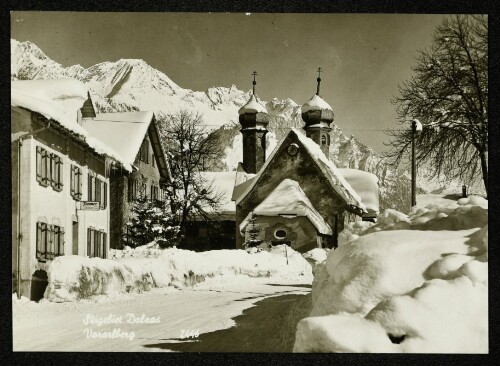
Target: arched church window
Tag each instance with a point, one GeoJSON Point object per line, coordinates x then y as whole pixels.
{"type": "Point", "coordinates": [323, 140]}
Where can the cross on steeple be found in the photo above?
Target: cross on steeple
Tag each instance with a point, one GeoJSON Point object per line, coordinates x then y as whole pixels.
{"type": "Point", "coordinates": [254, 82]}
{"type": "Point", "coordinates": [318, 80]}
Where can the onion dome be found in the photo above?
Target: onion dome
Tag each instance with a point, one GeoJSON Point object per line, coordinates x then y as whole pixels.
{"type": "Point", "coordinates": [253, 114]}
{"type": "Point", "coordinates": [316, 111]}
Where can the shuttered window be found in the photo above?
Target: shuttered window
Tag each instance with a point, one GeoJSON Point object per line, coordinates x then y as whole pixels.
{"type": "Point", "coordinates": [49, 241]}
{"type": "Point", "coordinates": [97, 197]}
{"type": "Point", "coordinates": [42, 166]}
{"type": "Point", "coordinates": [56, 172]}
{"type": "Point", "coordinates": [96, 243]}
{"type": "Point", "coordinates": [41, 240]}
{"type": "Point", "coordinates": [90, 242]}
{"type": "Point", "coordinates": [76, 183]}
{"type": "Point", "coordinates": [90, 187]}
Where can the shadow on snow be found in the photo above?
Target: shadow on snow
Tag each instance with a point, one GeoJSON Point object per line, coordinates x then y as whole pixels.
{"type": "Point", "coordinates": [268, 326]}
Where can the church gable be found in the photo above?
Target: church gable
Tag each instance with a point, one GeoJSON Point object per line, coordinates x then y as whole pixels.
{"type": "Point", "coordinates": [295, 158]}
{"type": "Point", "coordinates": [291, 160]}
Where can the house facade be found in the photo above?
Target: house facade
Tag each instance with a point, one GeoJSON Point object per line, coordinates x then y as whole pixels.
{"type": "Point", "coordinates": [135, 137]}
{"type": "Point", "coordinates": [297, 196]}
{"type": "Point", "coordinates": [55, 170]}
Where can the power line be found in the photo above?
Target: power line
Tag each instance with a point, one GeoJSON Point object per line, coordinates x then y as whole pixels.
{"type": "Point", "coordinates": [275, 128]}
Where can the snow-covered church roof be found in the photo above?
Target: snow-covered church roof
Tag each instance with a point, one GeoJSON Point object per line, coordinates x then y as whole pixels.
{"type": "Point", "coordinates": [289, 199]}
{"type": "Point", "coordinates": [59, 100]}
{"type": "Point", "coordinates": [123, 131]}
{"type": "Point", "coordinates": [252, 106]}
{"type": "Point", "coordinates": [366, 186]}
{"type": "Point", "coordinates": [316, 103]}
{"type": "Point", "coordinates": [327, 167]}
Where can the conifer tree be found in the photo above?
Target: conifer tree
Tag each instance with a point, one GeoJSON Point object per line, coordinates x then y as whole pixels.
{"type": "Point", "coordinates": [152, 221]}
{"type": "Point", "coordinates": [253, 232]}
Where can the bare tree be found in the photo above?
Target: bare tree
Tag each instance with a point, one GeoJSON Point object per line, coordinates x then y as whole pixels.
{"type": "Point", "coordinates": [448, 94]}
{"type": "Point", "coordinates": [190, 149]}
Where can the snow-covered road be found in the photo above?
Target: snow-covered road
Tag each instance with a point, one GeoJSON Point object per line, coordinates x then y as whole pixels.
{"type": "Point", "coordinates": [240, 315]}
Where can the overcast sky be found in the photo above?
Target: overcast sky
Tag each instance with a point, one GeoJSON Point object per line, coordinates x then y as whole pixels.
{"type": "Point", "coordinates": [364, 56]}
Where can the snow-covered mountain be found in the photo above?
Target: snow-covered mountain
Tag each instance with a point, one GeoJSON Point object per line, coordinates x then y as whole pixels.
{"type": "Point", "coordinates": [132, 84]}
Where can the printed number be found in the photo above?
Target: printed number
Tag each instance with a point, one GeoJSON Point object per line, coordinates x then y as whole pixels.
{"type": "Point", "coordinates": [190, 333]}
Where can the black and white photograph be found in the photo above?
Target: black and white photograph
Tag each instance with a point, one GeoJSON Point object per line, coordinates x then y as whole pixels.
{"type": "Point", "coordinates": [249, 182]}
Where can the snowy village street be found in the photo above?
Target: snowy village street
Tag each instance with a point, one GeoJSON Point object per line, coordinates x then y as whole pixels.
{"type": "Point", "coordinates": [229, 319]}
{"type": "Point", "coordinates": [191, 182]}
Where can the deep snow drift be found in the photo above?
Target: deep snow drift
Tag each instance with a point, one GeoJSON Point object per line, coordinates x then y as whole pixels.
{"type": "Point", "coordinates": [416, 283]}
{"type": "Point", "coordinates": [75, 277]}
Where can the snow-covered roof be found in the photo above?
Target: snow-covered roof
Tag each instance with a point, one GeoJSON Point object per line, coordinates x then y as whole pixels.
{"type": "Point", "coordinates": [316, 103]}
{"type": "Point", "coordinates": [252, 106]}
{"type": "Point", "coordinates": [222, 183]}
{"type": "Point", "coordinates": [124, 131]}
{"type": "Point", "coordinates": [289, 199]}
{"type": "Point", "coordinates": [327, 167]}
{"type": "Point", "coordinates": [366, 186]}
{"type": "Point", "coordinates": [59, 100]}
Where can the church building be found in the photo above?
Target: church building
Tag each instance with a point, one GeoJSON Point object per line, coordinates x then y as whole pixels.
{"type": "Point", "coordinates": [297, 196]}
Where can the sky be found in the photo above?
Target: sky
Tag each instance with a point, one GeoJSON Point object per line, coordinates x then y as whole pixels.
{"type": "Point", "coordinates": [363, 56]}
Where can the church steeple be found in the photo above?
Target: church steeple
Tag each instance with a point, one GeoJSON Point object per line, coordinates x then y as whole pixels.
{"type": "Point", "coordinates": [318, 115]}
{"type": "Point", "coordinates": [253, 118]}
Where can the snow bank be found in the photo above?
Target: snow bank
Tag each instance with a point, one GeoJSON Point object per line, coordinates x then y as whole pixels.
{"type": "Point", "coordinates": [416, 283]}
{"type": "Point", "coordinates": [316, 256]}
{"type": "Point", "coordinates": [74, 277]}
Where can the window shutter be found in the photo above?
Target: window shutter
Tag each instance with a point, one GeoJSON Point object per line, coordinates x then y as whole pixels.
{"type": "Point", "coordinates": [105, 194]}
{"type": "Point", "coordinates": [104, 245]}
{"type": "Point", "coordinates": [78, 187]}
{"type": "Point", "coordinates": [97, 239]}
{"type": "Point", "coordinates": [43, 167]}
{"type": "Point", "coordinates": [60, 250]}
{"type": "Point", "coordinates": [89, 242]}
{"type": "Point", "coordinates": [52, 170]}
{"type": "Point", "coordinates": [39, 163]}
{"type": "Point", "coordinates": [89, 198]}
{"type": "Point", "coordinates": [46, 173]}
{"type": "Point", "coordinates": [98, 190]}
{"type": "Point", "coordinates": [60, 175]}
{"type": "Point", "coordinates": [72, 181]}
{"type": "Point", "coordinates": [50, 242]}
{"type": "Point", "coordinates": [39, 246]}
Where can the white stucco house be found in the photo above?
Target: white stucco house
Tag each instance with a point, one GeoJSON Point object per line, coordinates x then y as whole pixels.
{"type": "Point", "coordinates": [56, 167]}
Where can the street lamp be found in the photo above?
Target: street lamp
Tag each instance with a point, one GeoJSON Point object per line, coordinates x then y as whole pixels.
{"type": "Point", "coordinates": [415, 126]}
